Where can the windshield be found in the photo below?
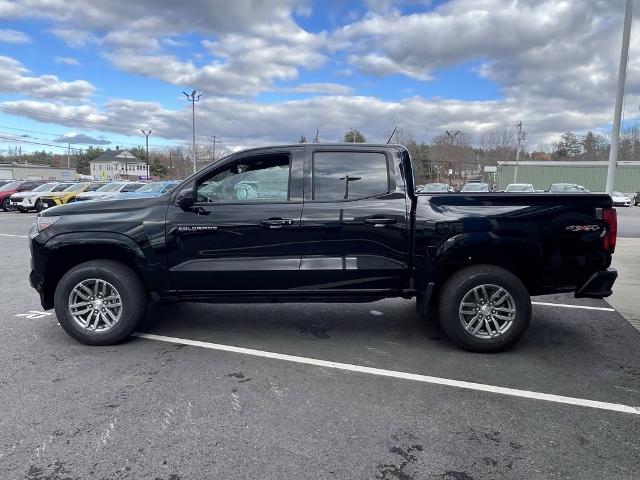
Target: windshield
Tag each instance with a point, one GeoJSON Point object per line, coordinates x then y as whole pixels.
{"type": "Point", "coordinates": [9, 186]}
{"type": "Point", "coordinates": [60, 187]}
{"type": "Point", "coordinates": [45, 187]}
{"type": "Point", "coordinates": [153, 188]}
{"type": "Point", "coordinates": [618, 194]}
{"type": "Point", "coordinates": [110, 187]}
{"type": "Point", "coordinates": [435, 187]}
{"type": "Point", "coordinates": [94, 186]}
{"type": "Point", "coordinates": [564, 187]}
{"type": "Point", "coordinates": [75, 187]}
{"type": "Point", "coordinates": [475, 187]}
{"type": "Point", "coordinates": [519, 188]}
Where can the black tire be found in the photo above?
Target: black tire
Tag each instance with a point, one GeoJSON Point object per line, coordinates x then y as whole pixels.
{"type": "Point", "coordinates": [6, 205]}
{"type": "Point", "coordinates": [38, 205]}
{"type": "Point", "coordinates": [462, 283]}
{"type": "Point", "coordinates": [127, 284]}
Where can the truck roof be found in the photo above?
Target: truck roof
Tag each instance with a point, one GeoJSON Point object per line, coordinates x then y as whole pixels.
{"type": "Point", "coordinates": [341, 145]}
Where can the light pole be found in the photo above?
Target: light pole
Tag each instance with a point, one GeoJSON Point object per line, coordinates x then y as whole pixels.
{"type": "Point", "coordinates": [146, 136]}
{"type": "Point", "coordinates": [193, 99]}
{"type": "Point", "coordinates": [617, 114]}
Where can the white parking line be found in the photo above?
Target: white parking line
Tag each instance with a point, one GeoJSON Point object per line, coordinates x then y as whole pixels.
{"type": "Point", "coordinates": [8, 235]}
{"type": "Point", "coordinates": [582, 307]}
{"type": "Point", "coordinates": [614, 407]}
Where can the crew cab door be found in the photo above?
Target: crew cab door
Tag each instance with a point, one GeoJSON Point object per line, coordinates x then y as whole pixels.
{"type": "Point", "coordinates": [355, 230]}
{"type": "Point", "coordinates": [243, 232]}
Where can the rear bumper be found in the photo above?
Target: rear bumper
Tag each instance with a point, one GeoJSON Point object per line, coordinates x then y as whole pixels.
{"type": "Point", "coordinates": [599, 284]}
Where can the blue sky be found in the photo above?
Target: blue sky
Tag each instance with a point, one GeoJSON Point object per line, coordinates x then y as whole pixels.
{"type": "Point", "coordinates": [271, 71]}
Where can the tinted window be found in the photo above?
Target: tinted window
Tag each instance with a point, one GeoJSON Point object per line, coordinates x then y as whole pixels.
{"type": "Point", "coordinates": [254, 179]}
{"type": "Point", "coordinates": [131, 187]}
{"type": "Point", "coordinates": [349, 175]}
{"type": "Point", "coordinates": [10, 186]}
{"type": "Point", "coordinates": [45, 187]}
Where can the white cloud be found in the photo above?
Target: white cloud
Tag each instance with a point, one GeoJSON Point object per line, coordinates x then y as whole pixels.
{"type": "Point", "coordinates": [15, 78]}
{"type": "Point", "coordinates": [81, 138]}
{"type": "Point", "coordinates": [246, 122]}
{"type": "Point", "coordinates": [75, 38]}
{"type": "Point", "coordinates": [14, 36]}
{"type": "Point", "coordinates": [67, 60]}
{"type": "Point", "coordinates": [555, 63]}
{"type": "Point", "coordinates": [323, 88]}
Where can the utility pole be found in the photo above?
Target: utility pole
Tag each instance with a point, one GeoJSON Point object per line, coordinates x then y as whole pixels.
{"type": "Point", "coordinates": [146, 136]}
{"type": "Point", "coordinates": [617, 114]}
{"type": "Point", "coordinates": [170, 171]}
{"type": "Point", "coordinates": [520, 136]}
{"type": "Point", "coordinates": [193, 99]}
{"type": "Point", "coordinates": [317, 139]}
{"type": "Point", "coordinates": [452, 137]}
{"type": "Point", "coordinates": [213, 148]}
{"type": "Point", "coordinates": [69, 155]}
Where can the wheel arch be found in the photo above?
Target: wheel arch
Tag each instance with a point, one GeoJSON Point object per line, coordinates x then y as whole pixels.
{"type": "Point", "coordinates": [67, 251]}
{"type": "Point", "coordinates": [520, 256]}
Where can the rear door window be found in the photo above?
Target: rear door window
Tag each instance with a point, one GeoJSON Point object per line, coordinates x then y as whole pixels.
{"type": "Point", "coordinates": [349, 175]}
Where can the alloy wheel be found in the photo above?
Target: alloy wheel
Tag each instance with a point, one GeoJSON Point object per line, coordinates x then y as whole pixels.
{"type": "Point", "coordinates": [95, 305]}
{"type": "Point", "coordinates": [487, 311]}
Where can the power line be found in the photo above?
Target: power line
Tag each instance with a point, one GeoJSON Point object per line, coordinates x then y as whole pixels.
{"type": "Point", "coordinates": [19, 140]}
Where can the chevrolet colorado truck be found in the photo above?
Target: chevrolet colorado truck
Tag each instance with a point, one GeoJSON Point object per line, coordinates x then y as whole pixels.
{"type": "Point", "coordinates": [322, 223]}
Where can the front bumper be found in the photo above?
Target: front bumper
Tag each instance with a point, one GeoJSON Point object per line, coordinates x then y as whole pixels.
{"type": "Point", "coordinates": [599, 284]}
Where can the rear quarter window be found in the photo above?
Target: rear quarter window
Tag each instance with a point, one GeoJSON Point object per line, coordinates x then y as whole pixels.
{"type": "Point", "coordinates": [349, 175]}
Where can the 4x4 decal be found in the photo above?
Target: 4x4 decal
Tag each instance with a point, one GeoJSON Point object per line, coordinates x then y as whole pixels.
{"type": "Point", "coordinates": [583, 228]}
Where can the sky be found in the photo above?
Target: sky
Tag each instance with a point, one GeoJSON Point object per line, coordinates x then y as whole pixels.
{"type": "Point", "coordinates": [272, 70]}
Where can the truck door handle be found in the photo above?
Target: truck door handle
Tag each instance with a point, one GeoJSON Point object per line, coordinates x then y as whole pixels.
{"type": "Point", "coordinates": [276, 222]}
{"type": "Point", "coordinates": [380, 221]}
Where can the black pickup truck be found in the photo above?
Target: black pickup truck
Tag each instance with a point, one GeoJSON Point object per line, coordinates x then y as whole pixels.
{"type": "Point", "coordinates": [322, 223]}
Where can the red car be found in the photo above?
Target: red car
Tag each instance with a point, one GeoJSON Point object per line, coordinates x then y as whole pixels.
{"type": "Point", "coordinates": [10, 188]}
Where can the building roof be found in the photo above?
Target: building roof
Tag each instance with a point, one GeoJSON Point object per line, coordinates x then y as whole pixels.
{"type": "Point", "coordinates": [569, 163]}
{"type": "Point", "coordinates": [115, 156]}
{"type": "Point", "coordinates": [31, 165]}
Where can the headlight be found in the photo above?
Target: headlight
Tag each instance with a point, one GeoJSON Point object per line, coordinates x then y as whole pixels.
{"type": "Point", "coordinates": [43, 223]}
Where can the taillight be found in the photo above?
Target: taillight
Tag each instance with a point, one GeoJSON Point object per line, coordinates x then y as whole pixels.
{"type": "Point", "coordinates": [610, 219]}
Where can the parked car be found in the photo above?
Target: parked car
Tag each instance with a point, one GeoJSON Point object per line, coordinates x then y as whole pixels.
{"type": "Point", "coordinates": [25, 201]}
{"type": "Point", "coordinates": [520, 187]}
{"type": "Point", "coordinates": [567, 188]}
{"type": "Point", "coordinates": [475, 187]}
{"type": "Point", "coordinates": [620, 199]}
{"type": "Point", "coordinates": [328, 223]}
{"type": "Point", "coordinates": [154, 189]}
{"type": "Point", "coordinates": [67, 195]}
{"type": "Point", "coordinates": [16, 186]}
{"type": "Point", "coordinates": [110, 190]}
{"type": "Point", "coordinates": [636, 200]}
{"type": "Point", "coordinates": [435, 188]}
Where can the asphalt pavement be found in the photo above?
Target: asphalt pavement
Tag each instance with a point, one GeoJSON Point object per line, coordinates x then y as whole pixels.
{"type": "Point", "coordinates": [312, 391]}
{"type": "Point", "coordinates": [628, 222]}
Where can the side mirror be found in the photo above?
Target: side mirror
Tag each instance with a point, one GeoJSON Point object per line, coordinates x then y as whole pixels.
{"type": "Point", "coordinates": [185, 199]}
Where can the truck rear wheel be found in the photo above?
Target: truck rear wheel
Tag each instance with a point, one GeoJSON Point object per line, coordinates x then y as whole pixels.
{"type": "Point", "coordinates": [100, 302]}
{"type": "Point", "coordinates": [484, 308]}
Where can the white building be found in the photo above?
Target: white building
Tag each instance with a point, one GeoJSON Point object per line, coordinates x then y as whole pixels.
{"type": "Point", "coordinates": [118, 165]}
{"type": "Point", "coordinates": [20, 171]}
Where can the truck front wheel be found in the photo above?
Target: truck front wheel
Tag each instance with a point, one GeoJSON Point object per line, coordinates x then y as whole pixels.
{"type": "Point", "coordinates": [484, 308]}
{"type": "Point", "coordinates": [100, 302]}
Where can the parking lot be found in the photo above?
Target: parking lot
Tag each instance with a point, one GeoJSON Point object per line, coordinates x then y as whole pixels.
{"type": "Point", "coordinates": [314, 391]}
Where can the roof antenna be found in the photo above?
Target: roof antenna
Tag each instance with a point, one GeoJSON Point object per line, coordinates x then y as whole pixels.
{"type": "Point", "coordinates": [392, 134]}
